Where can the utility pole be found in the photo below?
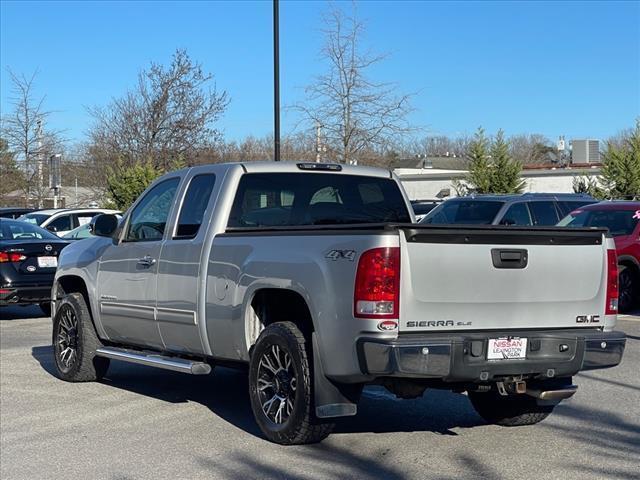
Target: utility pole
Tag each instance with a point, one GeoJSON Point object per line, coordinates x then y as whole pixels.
{"type": "Point", "coordinates": [276, 81]}
{"type": "Point", "coordinates": [39, 161]}
{"type": "Point", "coordinates": [320, 146]}
{"type": "Point", "coordinates": [317, 142]}
{"type": "Point", "coordinates": [55, 181]}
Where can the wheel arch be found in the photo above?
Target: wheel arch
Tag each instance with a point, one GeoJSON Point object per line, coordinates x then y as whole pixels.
{"type": "Point", "coordinates": [268, 305]}
{"type": "Point", "coordinates": [71, 283]}
{"type": "Point", "coordinates": [629, 261]}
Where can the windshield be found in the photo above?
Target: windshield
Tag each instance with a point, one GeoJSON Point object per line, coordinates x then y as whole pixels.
{"type": "Point", "coordinates": [619, 222]}
{"type": "Point", "coordinates": [470, 212]}
{"type": "Point", "coordinates": [34, 218]}
{"type": "Point", "coordinates": [18, 230]}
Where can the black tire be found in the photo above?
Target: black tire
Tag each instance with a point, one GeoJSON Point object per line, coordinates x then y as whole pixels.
{"type": "Point", "coordinates": [301, 425]}
{"type": "Point", "coordinates": [509, 411]}
{"type": "Point", "coordinates": [75, 342]}
{"type": "Point", "coordinates": [629, 288]}
{"type": "Point", "coordinates": [46, 308]}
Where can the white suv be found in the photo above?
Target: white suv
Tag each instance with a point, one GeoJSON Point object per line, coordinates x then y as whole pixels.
{"type": "Point", "coordinates": [62, 221]}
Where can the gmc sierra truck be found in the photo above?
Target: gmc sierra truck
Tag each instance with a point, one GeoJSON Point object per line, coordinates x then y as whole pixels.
{"type": "Point", "coordinates": [316, 279]}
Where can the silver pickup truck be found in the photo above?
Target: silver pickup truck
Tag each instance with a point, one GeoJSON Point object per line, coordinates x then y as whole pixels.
{"type": "Point", "coordinates": [315, 278]}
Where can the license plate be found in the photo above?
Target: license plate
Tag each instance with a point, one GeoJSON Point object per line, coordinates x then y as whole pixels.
{"type": "Point", "coordinates": [47, 262]}
{"type": "Point", "coordinates": [507, 348]}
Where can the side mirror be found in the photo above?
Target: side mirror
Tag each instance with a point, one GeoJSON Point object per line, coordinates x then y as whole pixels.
{"type": "Point", "coordinates": [51, 228]}
{"type": "Point", "coordinates": [507, 221]}
{"type": "Point", "coordinates": [103, 225]}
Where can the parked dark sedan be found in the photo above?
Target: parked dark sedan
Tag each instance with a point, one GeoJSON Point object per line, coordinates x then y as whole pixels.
{"type": "Point", "coordinates": [14, 212]}
{"type": "Point", "coordinates": [28, 261]}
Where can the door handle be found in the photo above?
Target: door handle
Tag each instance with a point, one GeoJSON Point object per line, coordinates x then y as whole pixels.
{"type": "Point", "coordinates": [509, 258]}
{"type": "Point", "coordinates": [147, 261]}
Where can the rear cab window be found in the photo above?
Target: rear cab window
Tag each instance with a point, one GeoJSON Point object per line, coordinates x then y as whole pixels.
{"type": "Point", "coordinates": [296, 199]}
{"type": "Point", "coordinates": [194, 205]}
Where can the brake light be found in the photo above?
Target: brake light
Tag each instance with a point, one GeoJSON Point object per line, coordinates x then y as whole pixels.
{"type": "Point", "coordinates": [377, 288]}
{"type": "Point", "coordinates": [611, 307]}
{"type": "Point", "coordinates": [11, 257]}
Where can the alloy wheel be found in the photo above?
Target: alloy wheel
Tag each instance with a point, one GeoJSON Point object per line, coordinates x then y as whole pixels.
{"type": "Point", "coordinates": [277, 384]}
{"type": "Point", "coordinates": [67, 338]}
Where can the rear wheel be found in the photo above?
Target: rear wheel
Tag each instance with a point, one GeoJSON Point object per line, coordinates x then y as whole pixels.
{"type": "Point", "coordinates": [75, 342]}
{"type": "Point", "coordinates": [280, 387]}
{"type": "Point", "coordinates": [629, 288]}
{"type": "Point", "coordinates": [509, 411]}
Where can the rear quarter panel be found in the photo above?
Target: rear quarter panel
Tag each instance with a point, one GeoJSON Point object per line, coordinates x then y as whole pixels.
{"type": "Point", "coordinates": [241, 264]}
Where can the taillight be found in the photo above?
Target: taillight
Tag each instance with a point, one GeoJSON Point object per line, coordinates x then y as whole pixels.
{"type": "Point", "coordinates": [11, 257]}
{"type": "Point", "coordinates": [611, 307]}
{"type": "Point", "coordinates": [377, 289]}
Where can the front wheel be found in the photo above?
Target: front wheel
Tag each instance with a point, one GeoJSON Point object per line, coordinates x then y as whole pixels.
{"type": "Point", "coordinates": [509, 411]}
{"type": "Point", "coordinates": [280, 387]}
{"type": "Point", "coordinates": [75, 342]}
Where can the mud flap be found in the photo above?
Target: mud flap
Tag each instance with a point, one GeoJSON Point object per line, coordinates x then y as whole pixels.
{"type": "Point", "coordinates": [332, 399]}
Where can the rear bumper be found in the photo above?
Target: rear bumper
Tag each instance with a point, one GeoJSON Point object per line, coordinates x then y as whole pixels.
{"type": "Point", "coordinates": [24, 295]}
{"type": "Point", "coordinates": [462, 357]}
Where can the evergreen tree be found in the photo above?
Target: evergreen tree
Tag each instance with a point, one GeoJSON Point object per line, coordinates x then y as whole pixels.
{"type": "Point", "coordinates": [480, 169]}
{"type": "Point", "coordinates": [505, 170]}
{"type": "Point", "coordinates": [621, 167]}
{"type": "Point", "coordinates": [126, 183]}
{"type": "Point", "coordinates": [12, 178]}
{"type": "Point", "coordinates": [491, 167]}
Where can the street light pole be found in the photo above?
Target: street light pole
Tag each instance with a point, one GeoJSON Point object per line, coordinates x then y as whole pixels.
{"type": "Point", "coordinates": [276, 81]}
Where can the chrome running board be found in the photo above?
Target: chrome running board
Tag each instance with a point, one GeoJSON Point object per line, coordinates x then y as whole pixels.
{"type": "Point", "coordinates": [151, 359]}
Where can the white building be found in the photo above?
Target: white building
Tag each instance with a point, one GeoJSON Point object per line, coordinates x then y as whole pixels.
{"type": "Point", "coordinates": [430, 183]}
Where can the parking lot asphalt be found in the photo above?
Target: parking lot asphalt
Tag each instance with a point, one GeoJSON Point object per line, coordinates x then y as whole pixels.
{"type": "Point", "coordinates": [144, 423]}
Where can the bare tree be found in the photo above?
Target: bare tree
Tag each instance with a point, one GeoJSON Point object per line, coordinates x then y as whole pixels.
{"type": "Point", "coordinates": [169, 116]}
{"type": "Point", "coordinates": [354, 112]}
{"type": "Point", "coordinates": [532, 149]}
{"type": "Point", "coordinates": [30, 143]}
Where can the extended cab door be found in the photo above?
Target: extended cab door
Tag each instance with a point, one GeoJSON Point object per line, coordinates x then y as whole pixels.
{"type": "Point", "coordinates": [179, 265]}
{"type": "Point", "coordinates": [127, 275]}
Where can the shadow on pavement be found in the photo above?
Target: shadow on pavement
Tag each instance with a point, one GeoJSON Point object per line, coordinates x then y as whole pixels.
{"type": "Point", "coordinates": [606, 433]}
{"type": "Point", "coordinates": [19, 312]}
{"type": "Point", "coordinates": [225, 393]}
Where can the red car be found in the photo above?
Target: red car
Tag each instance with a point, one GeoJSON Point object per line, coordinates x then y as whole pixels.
{"type": "Point", "coordinates": [623, 221]}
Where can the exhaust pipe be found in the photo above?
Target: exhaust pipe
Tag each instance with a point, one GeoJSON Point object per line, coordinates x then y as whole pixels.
{"type": "Point", "coordinates": [559, 394]}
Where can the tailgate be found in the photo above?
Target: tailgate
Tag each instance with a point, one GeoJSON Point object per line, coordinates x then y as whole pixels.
{"type": "Point", "coordinates": [501, 278]}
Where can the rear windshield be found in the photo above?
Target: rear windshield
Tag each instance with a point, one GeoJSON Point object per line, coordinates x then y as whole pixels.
{"type": "Point", "coordinates": [18, 230]}
{"type": "Point", "coordinates": [469, 212]}
{"type": "Point", "coordinates": [290, 199]}
{"type": "Point", "coordinates": [619, 222]}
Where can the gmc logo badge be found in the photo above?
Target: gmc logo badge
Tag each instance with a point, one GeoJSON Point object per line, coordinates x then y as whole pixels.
{"type": "Point", "coordinates": [588, 319]}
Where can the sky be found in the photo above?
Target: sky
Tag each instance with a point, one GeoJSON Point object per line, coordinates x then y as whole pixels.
{"type": "Point", "coordinates": [556, 68]}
